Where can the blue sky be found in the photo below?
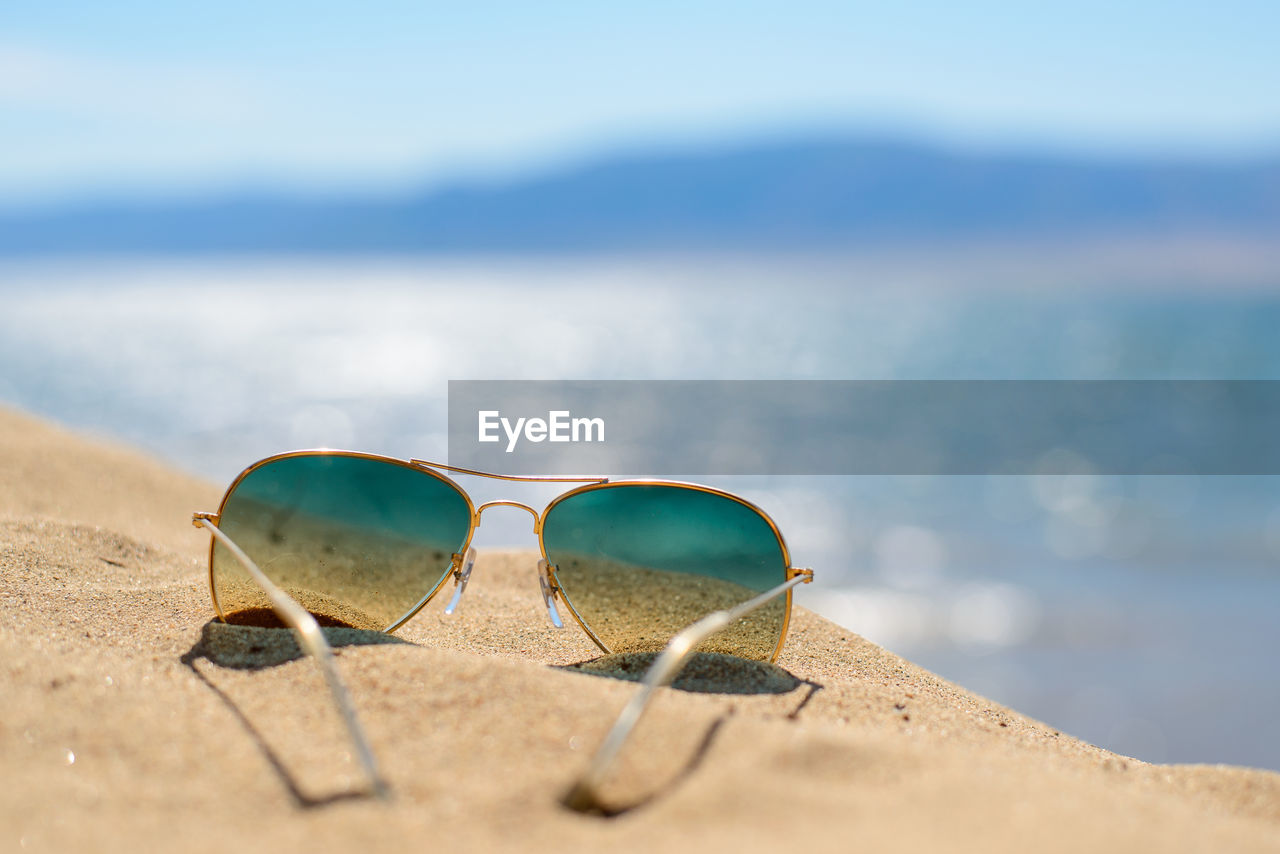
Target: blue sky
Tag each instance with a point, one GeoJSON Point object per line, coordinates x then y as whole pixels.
{"type": "Point", "coordinates": [164, 98]}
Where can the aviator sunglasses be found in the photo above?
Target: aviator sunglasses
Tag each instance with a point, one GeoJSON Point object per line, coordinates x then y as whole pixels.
{"type": "Point", "coordinates": [337, 538]}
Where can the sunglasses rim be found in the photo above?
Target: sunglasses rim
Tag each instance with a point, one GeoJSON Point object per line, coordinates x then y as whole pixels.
{"type": "Point", "coordinates": [677, 484]}
{"type": "Point", "coordinates": [589, 483]}
{"type": "Point", "coordinates": [331, 452]}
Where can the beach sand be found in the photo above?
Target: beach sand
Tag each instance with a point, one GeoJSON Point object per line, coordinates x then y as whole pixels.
{"type": "Point", "coordinates": [132, 722]}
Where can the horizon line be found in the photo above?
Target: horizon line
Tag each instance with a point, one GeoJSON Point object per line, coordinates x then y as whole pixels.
{"type": "Point", "coordinates": [259, 186]}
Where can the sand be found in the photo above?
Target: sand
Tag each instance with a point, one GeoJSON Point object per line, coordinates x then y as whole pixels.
{"type": "Point", "coordinates": [133, 722]}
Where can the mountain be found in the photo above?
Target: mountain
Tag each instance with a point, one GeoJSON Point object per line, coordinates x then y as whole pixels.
{"type": "Point", "coordinates": [820, 194]}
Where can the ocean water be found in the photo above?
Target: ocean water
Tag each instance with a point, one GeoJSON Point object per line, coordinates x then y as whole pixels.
{"type": "Point", "coordinates": [1139, 613]}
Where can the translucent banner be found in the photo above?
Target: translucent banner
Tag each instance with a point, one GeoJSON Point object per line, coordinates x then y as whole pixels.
{"type": "Point", "coordinates": [903, 427]}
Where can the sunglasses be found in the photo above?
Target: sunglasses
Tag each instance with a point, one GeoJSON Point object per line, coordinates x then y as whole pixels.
{"type": "Point", "coordinates": [307, 539]}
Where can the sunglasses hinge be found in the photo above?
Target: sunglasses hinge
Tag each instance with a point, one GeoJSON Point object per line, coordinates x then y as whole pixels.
{"type": "Point", "coordinates": [797, 571]}
{"type": "Point", "coordinates": [197, 518]}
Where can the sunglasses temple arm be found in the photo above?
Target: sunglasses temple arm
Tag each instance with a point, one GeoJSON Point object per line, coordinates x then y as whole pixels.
{"type": "Point", "coordinates": [312, 640]}
{"type": "Point", "coordinates": [582, 796]}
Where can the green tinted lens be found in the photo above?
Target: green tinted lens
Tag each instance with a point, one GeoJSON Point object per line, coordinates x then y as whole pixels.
{"type": "Point", "coordinates": [357, 541]}
{"type": "Point", "coordinates": [640, 562]}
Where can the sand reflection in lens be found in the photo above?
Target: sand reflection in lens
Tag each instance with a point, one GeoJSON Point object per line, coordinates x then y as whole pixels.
{"type": "Point", "coordinates": [357, 541]}
{"type": "Point", "coordinates": [640, 562]}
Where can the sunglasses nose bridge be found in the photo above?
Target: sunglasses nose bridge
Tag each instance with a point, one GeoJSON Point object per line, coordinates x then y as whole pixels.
{"type": "Point", "coordinates": [505, 502]}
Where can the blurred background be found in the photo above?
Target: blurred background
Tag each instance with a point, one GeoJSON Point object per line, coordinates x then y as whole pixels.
{"type": "Point", "coordinates": [230, 231]}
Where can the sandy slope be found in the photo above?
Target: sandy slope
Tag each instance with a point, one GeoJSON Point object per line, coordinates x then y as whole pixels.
{"type": "Point", "coordinates": [127, 725]}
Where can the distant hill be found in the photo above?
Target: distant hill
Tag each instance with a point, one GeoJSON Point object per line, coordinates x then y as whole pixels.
{"type": "Point", "coordinates": [799, 195]}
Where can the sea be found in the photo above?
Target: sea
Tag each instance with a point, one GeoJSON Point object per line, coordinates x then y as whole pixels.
{"type": "Point", "coordinates": [1140, 613]}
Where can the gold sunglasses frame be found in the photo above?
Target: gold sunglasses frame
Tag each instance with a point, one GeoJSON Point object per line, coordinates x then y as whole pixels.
{"type": "Point", "coordinates": [555, 591]}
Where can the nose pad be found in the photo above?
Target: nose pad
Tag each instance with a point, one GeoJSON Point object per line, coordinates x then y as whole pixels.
{"type": "Point", "coordinates": [460, 578]}
{"type": "Point", "coordinates": [549, 588]}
